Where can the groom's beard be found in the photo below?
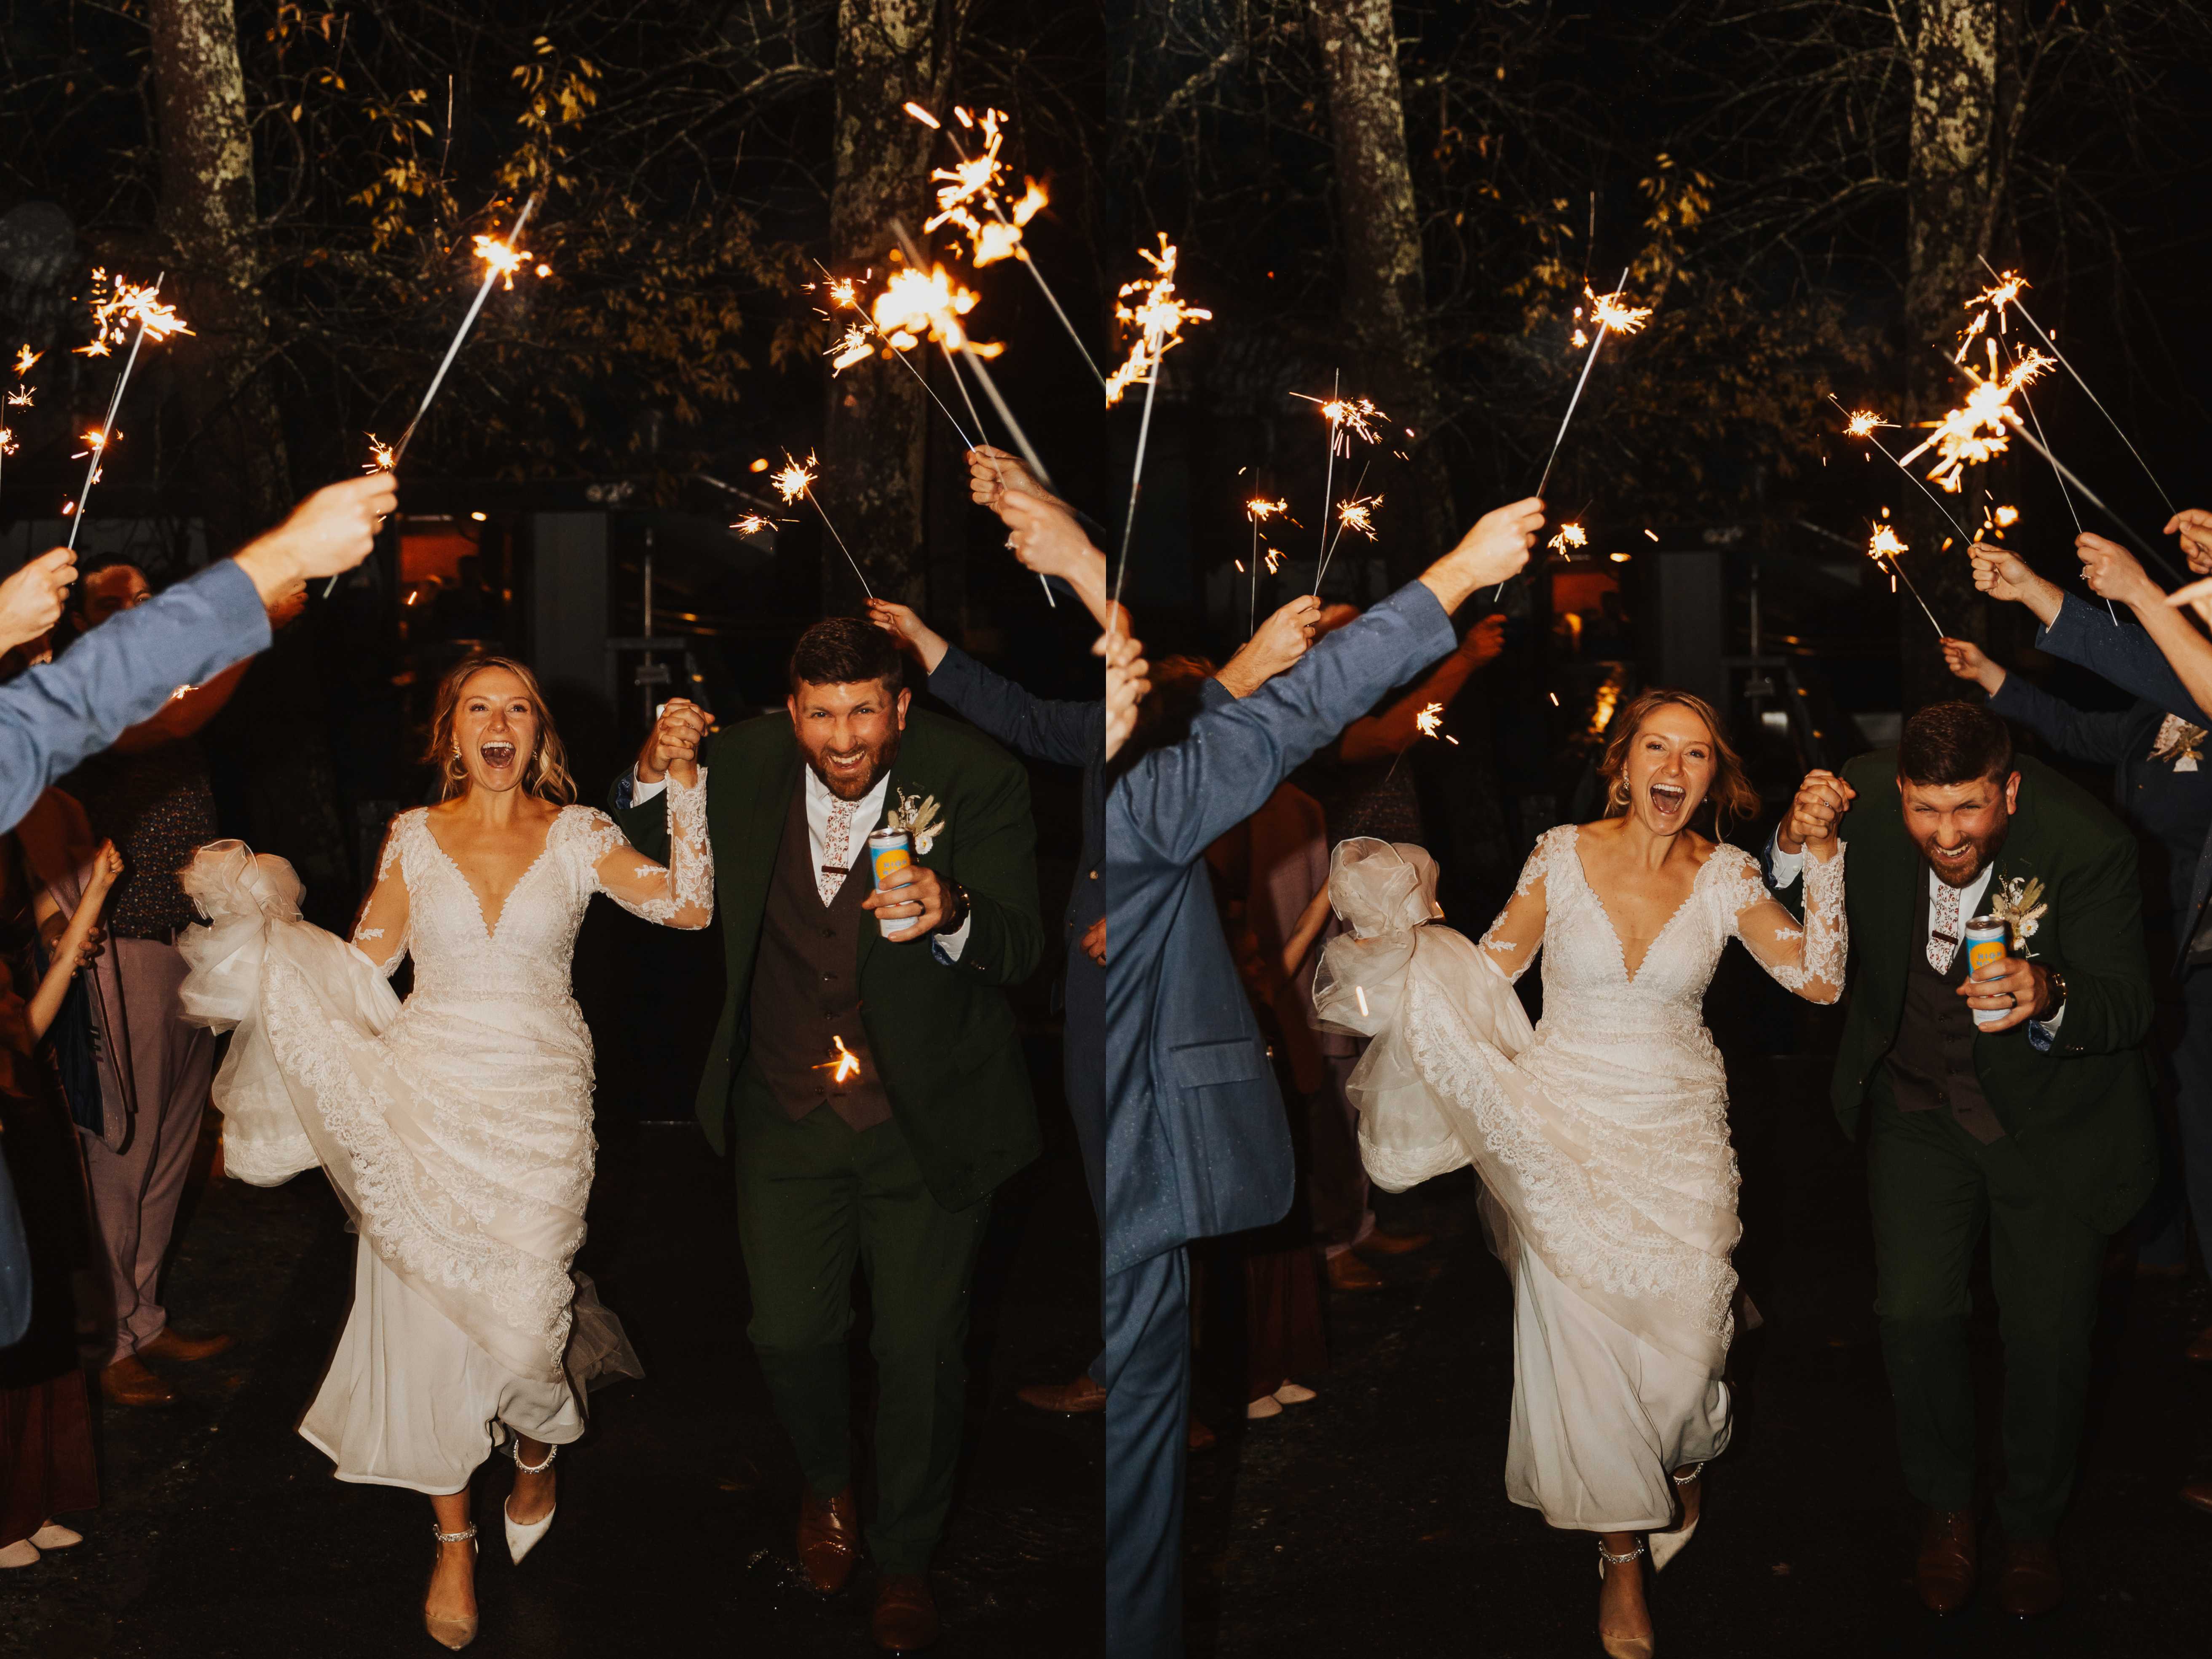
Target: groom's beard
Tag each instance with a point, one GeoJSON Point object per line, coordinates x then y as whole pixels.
{"type": "Point", "coordinates": [856, 786]}
{"type": "Point", "coordinates": [1962, 871]}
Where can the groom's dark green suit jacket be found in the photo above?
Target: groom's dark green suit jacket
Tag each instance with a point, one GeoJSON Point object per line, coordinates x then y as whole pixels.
{"type": "Point", "coordinates": [944, 1037]}
{"type": "Point", "coordinates": [2080, 1113]}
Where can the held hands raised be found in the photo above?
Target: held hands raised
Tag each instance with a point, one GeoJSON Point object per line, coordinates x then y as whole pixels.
{"type": "Point", "coordinates": [1969, 662]}
{"type": "Point", "coordinates": [1281, 641]}
{"type": "Point", "coordinates": [671, 748]}
{"type": "Point", "coordinates": [31, 599]}
{"type": "Point", "coordinates": [1814, 815]}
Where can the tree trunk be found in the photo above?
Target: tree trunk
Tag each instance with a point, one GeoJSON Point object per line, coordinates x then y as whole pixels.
{"type": "Point", "coordinates": [874, 441]}
{"type": "Point", "coordinates": [1385, 311]}
{"type": "Point", "coordinates": [1955, 182]}
{"type": "Point", "coordinates": [235, 446]}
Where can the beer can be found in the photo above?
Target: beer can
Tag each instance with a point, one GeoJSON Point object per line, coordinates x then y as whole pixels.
{"type": "Point", "coordinates": [889, 849]}
{"type": "Point", "coordinates": [1986, 937]}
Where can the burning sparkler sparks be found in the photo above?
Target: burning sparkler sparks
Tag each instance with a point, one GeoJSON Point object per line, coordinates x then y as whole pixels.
{"type": "Point", "coordinates": [2005, 517]}
{"type": "Point", "coordinates": [841, 1065]}
{"type": "Point", "coordinates": [119, 309]}
{"type": "Point", "coordinates": [1357, 514]}
{"type": "Point", "coordinates": [25, 357]}
{"type": "Point", "coordinates": [1864, 423]}
{"type": "Point", "coordinates": [856, 347]}
{"type": "Point", "coordinates": [1154, 321]}
{"type": "Point", "coordinates": [796, 479]}
{"type": "Point", "coordinates": [915, 306]}
{"type": "Point", "coordinates": [502, 260]}
{"type": "Point", "coordinates": [380, 458]}
{"type": "Point", "coordinates": [1885, 545]}
{"type": "Point", "coordinates": [1348, 418]}
{"type": "Point", "coordinates": [1976, 431]}
{"type": "Point", "coordinates": [1430, 722]}
{"type": "Point", "coordinates": [1570, 536]}
{"type": "Point", "coordinates": [19, 398]}
{"type": "Point", "coordinates": [1612, 316]}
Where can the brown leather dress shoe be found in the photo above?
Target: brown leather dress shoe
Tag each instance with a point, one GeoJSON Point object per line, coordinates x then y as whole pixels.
{"type": "Point", "coordinates": [905, 1619]}
{"type": "Point", "coordinates": [829, 1540]}
{"type": "Point", "coordinates": [2198, 1494]}
{"type": "Point", "coordinates": [128, 1382]}
{"type": "Point", "coordinates": [1346, 1272]}
{"type": "Point", "coordinates": [170, 1343]}
{"type": "Point", "coordinates": [1379, 1242]}
{"type": "Point", "coordinates": [1069, 1399]}
{"type": "Point", "coordinates": [1944, 1575]}
{"type": "Point", "coordinates": [2031, 1586]}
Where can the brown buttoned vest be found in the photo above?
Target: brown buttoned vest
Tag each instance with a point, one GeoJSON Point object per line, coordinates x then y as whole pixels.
{"type": "Point", "coordinates": [1931, 1063]}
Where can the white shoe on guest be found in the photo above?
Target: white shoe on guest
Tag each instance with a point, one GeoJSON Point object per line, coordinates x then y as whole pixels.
{"type": "Point", "coordinates": [20, 1553]}
{"type": "Point", "coordinates": [55, 1536]}
{"type": "Point", "coordinates": [1264, 1407]}
{"type": "Point", "coordinates": [522, 1539]}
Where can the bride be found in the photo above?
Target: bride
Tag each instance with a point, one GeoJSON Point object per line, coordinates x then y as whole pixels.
{"type": "Point", "coordinates": [1601, 1135]}
{"type": "Point", "coordinates": [457, 1127]}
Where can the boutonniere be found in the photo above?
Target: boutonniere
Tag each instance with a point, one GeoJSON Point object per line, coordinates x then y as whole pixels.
{"type": "Point", "coordinates": [918, 819]}
{"type": "Point", "coordinates": [2179, 742]}
{"type": "Point", "coordinates": [2019, 903]}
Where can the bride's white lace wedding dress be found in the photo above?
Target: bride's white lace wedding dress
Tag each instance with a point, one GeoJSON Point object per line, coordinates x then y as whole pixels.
{"type": "Point", "coordinates": [1601, 1136]}
{"type": "Point", "coordinates": [457, 1127]}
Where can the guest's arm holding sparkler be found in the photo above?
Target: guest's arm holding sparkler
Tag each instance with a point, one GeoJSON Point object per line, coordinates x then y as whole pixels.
{"type": "Point", "coordinates": [2113, 572]}
{"type": "Point", "coordinates": [2104, 738]}
{"type": "Point", "coordinates": [1395, 729]}
{"type": "Point", "coordinates": [2194, 525]}
{"type": "Point", "coordinates": [1063, 732]}
{"type": "Point", "coordinates": [993, 471]}
{"type": "Point", "coordinates": [1127, 680]}
{"type": "Point", "coordinates": [1278, 643]}
{"type": "Point", "coordinates": [1046, 537]}
{"type": "Point", "coordinates": [194, 706]}
{"type": "Point", "coordinates": [2003, 574]}
{"type": "Point", "coordinates": [327, 535]}
{"type": "Point", "coordinates": [31, 599]}
{"type": "Point", "coordinates": [2074, 632]}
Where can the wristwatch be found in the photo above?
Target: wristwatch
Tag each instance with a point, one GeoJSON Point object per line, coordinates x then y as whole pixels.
{"type": "Point", "coordinates": [956, 909]}
{"type": "Point", "coordinates": [2057, 993]}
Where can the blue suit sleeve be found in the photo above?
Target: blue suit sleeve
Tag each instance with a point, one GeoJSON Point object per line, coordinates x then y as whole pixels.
{"type": "Point", "coordinates": [1172, 803]}
{"type": "Point", "coordinates": [2102, 737]}
{"type": "Point", "coordinates": [2125, 655]}
{"type": "Point", "coordinates": [1069, 733]}
{"type": "Point", "coordinates": [118, 674]}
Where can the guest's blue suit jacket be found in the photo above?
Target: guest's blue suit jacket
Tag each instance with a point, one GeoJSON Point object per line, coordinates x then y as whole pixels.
{"type": "Point", "coordinates": [53, 716]}
{"type": "Point", "coordinates": [1197, 1143]}
{"type": "Point", "coordinates": [2130, 660]}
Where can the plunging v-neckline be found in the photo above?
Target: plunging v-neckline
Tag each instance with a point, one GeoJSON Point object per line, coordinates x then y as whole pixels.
{"type": "Point", "coordinates": [490, 924]}
{"type": "Point", "coordinates": [1619, 950]}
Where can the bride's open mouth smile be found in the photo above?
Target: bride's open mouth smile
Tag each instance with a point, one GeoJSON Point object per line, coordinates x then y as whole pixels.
{"type": "Point", "coordinates": [497, 756]}
{"type": "Point", "coordinates": [1668, 799]}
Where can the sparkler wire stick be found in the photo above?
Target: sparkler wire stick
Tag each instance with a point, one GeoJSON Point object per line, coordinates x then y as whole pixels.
{"type": "Point", "coordinates": [2091, 496]}
{"type": "Point", "coordinates": [1252, 611]}
{"type": "Point", "coordinates": [1588, 364]}
{"type": "Point", "coordinates": [1136, 479]}
{"type": "Point", "coordinates": [483, 293]}
{"type": "Point", "coordinates": [107, 426]}
{"type": "Point", "coordinates": [1328, 480]}
{"type": "Point", "coordinates": [954, 369]}
{"type": "Point", "coordinates": [2036, 422]}
{"type": "Point", "coordinates": [1897, 569]}
{"type": "Point", "coordinates": [809, 493]}
{"type": "Point", "coordinates": [919, 376]}
{"type": "Point", "coordinates": [2029, 318]}
{"type": "Point", "coordinates": [1910, 473]}
{"type": "Point", "coordinates": [1329, 552]}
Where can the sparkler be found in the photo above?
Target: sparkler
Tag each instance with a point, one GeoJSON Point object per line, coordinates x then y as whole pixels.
{"type": "Point", "coordinates": [2000, 296]}
{"type": "Point", "coordinates": [117, 306]}
{"type": "Point", "coordinates": [1862, 423]}
{"type": "Point", "coordinates": [1570, 535]}
{"type": "Point", "coordinates": [1884, 544]}
{"type": "Point", "coordinates": [2006, 294]}
{"type": "Point", "coordinates": [976, 180]}
{"type": "Point", "coordinates": [1976, 432]}
{"type": "Point", "coordinates": [19, 398]}
{"type": "Point", "coordinates": [1610, 315]}
{"type": "Point", "coordinates": [797, 479]}
{"type": "Point", "coordinates": [501, 261]}
{"type": "Point", "coordinates": [1347, 419]}
{"type": "Point", "coordinates": [842, 1063]}
{"type": "Point", "coordinates": [1155, 323]}
{"type": "Point", "coordinates": [1430, 722]}
{"type": "Point", "coordinates": [2154, 554]}
{"type": "Point", "coordinates": [1257, 508]}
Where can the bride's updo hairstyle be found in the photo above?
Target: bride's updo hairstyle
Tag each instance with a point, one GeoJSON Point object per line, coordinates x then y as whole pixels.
{"type": "Point", "coordinates": [546, 776]}
{"type": "Point", "coordinates": [1730, 794]}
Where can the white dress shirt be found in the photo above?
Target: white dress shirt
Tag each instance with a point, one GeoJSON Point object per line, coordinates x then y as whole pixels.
{"type": "Point", "coordinates": [867, 814]}
{"type": "Point", "coordinates": [1788, 867]}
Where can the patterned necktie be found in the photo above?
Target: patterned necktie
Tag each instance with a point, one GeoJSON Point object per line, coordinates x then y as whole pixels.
{"type": "Point", "coordinates": [1942, 926]}
{"type": "Point", "coordinates": [836, 836]}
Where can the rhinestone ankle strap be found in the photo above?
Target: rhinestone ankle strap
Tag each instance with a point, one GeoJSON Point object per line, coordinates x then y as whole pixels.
{"type": "Point", "coordinates": [1696, 1470]}
{"type": "Point", "coordinates": [552, 1452]}
{"type": "Point", "coordinates": [1612, 1560]}
{"type": "Point", "coordinates": [460, 1537]}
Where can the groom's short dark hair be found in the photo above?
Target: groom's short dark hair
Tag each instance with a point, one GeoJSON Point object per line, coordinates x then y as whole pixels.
{"type": "Point", "coordinates": [844, 651]}
{"type": "Point", "coordinates": [1952, 742]}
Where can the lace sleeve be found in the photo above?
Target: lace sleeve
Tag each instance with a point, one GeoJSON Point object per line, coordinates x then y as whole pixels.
{"type": "Point", "coordinates": [380, 932]}
{"type": "Point", "coordinates": [1518, 933]}
{"type": "Point", "coordinates": [1809, 959]}
{"type": "Point", "coordinates": [682, 894]}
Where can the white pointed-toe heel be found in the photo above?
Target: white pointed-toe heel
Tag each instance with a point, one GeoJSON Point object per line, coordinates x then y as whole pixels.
{"type": "Point", "coordinates": [20, 1553]}
{"type": "Point", "coordinates": [55, 1536]}
{"type": "Point", "coordinates": [454, 1633]}
{"type": "Point", "coordinates": [521, 1538]}
{"type": "Point", "coordinates": [1666, 1545]}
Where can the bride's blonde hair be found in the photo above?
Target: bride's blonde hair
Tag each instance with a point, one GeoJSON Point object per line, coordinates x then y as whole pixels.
{"type": "Point", "coordinates": [1730, 794]}
{"type": "Point", "coordinates": [546, 776]}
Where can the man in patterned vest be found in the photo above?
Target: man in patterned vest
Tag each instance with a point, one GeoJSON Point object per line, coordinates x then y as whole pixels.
{"type": "Point", "coordinates": [867, 1075]}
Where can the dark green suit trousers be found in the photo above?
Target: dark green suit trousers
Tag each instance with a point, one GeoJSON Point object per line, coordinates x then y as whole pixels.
{"type": "Point", "coordinates": [814, 1197]}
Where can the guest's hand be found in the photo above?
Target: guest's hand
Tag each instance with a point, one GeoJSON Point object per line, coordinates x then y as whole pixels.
{"type": "Point", "coordinates": [991, 472]}
{"type": "Point", "coordinates": [330, 531]}
{"type": "Point", "coordinates": [288, 610]}
{"type": "Point", "coordinates": [1485, 642]}
{"type": "Point", "coordinates": [1969, 662]}
{"type": "Point", "coordinates": [1129, 678]}
{"type": "Point", "coordinates": [1498, 546]}
{"type": "Point", "coordinates": [676, 736]}
{"type": "Point", "coordinates": [903, 625]}
{"type": "Point", "coordinates": [105, 870]}
{"type": "Point", "coordinates": [2003, 574]}
{"type": "Point", "coordinates": [1820, 803]}
{"type": "Point", "coordinates": [915, 892]}
{"type": "Point", "coordinates": [2194, 525]}
{"type": "Point", "coordinates": [2013, 985]}
{"type": "Point", "coordinates": [1093, 941]}
{"type": "Point", "coordinates": [1281, 640]}
{"type": "Point", "coordinates": [2113, 572]}
{"type": "Point", "coordinates": [31, 599]}
{"type": "Point", "coordinates": [1045, 537]}
{"type": "Point", "coordinates": [88, 952]}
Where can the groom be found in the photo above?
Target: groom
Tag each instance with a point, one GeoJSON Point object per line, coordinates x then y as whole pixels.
{"type": "Point", "coordinates": [2035, 1127]}
{"type": "Point", "coordinates": [891, 1156]}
